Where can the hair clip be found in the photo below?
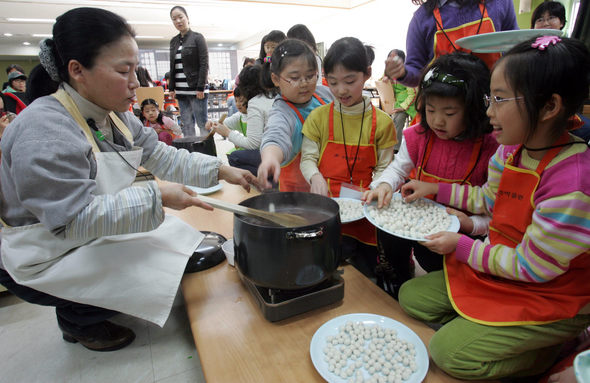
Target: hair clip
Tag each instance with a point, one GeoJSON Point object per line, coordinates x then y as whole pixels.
{"type": "Point", "coordinates": [544, 41]}
{"type": "Point", "coordinates": [446, 78]}
{"type": "Point", "coordinates": [267, 59]}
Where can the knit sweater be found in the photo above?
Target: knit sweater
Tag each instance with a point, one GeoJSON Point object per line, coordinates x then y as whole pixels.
{"type": "Point", "coordinates": [420, 36]}
{"type": "Point", "coordinates": [560, 225]}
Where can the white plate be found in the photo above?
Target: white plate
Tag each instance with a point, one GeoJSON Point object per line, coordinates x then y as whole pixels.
{"type": "Point", "coordinates": [205, 191]}
{"type": "Point", "coordinates": [453, 226]}
{"type": "Point", "coordinates": [318, 342]}
{"type": "Point", "coordinates": [502, 41]}
{"type": "Point", "coordinates": [361, 210]}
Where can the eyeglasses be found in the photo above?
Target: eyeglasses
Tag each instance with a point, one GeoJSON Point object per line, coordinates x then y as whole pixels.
{"type": "Point", "coordinates": [301, 80]}
{"type": "Point", "coordinates": [543, 20]}
{"type": "Point", "coordinates": [487, 100]}
{"type": "Point", "coordinates": [445, 78]}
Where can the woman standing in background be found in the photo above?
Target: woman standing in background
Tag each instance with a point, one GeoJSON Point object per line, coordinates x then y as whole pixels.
{"type": "Point", "coordinates": [189, 66]}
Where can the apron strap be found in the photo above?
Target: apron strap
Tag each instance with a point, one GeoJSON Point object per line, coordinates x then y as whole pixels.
{"type": "Point", "coordinates": [64, 98]}
{"type": "Point", "coordinates": [121, 126]}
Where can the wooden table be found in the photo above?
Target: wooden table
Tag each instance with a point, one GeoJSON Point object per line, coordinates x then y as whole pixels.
{"type": "Point", "coordinates": [235, 342]}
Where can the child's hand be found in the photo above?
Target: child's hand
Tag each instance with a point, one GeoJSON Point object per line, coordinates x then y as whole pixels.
{"type": "Point", "coordinates": [319, 185]}
{"type": "Point", "coordinates": [443, 243]}
{"type": "Point", "coordinates": [464, 220]}
{"type": "Point", "coordinates": [222, 130]}
{"type": "Point", "coordinates": [210, 125]}
{"type": "Point", "coordinates": [417, 189]}
{"type": "Point", "coordinates": [382, 193]}
{"type": "Point", "coordinates": [270, 165]}
{"type": "Point", "coordinates": [566, 376]}
{"type": "Point", "coordinates": [4, 121]}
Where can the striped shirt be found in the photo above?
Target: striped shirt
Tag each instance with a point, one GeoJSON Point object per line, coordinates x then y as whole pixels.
{"type": "Point", "coordinates": [560, 226]}
{"type": "Point", "coordinates": [181, 85]}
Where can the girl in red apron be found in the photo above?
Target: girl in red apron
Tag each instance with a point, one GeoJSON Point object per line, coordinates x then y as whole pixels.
{"type": "Point", "coordinates": [453, 143]}
{"type": "Point", "coordinates": [509, 302]}
{"type": "Point", "coordinates": [293, 69]}
{"type": "Point", "coordinates": [346, 141]}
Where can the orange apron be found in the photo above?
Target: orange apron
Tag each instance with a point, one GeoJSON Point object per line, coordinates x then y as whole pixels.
{"type": "Point", "coordinates": [496, 301]}
{"type": "Point", "coordinates": [444, 39]}
{"type": "Point", "coordinates": [421, 175]}
{"type": "Point", "coordinates": [291, 178]}
{"type": "Point", "coordinates": [358, 171]}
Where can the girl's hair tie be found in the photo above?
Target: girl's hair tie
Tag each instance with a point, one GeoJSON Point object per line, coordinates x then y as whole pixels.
{"type": "Point", "coordinates": [544, 41]}
{"type": "Point", "coordinates": [267, 59]}
{"type": "Point", "coordinates": [446, 78]}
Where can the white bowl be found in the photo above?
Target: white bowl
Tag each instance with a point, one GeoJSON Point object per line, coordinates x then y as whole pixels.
{"type": "Point", "coordinates": [228, 249]}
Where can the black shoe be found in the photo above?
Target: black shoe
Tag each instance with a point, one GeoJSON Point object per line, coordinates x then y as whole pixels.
{"type": "Point", "coordinates": [103, 336]}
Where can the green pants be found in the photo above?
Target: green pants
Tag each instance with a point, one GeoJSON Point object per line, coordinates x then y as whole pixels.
{"type": "Point", "coordinates": [468, 350]}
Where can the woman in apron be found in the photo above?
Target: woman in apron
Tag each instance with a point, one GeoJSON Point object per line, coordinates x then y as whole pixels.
{"type": "Point", "coordinates": [509, 302]}
{"type": "Point", "coordinates": [76, 235]}
{"type": "Point", "coordinates": [438, 24]}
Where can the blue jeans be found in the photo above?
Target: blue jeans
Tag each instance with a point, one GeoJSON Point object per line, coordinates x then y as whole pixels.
{"type": "Point", "coordinates": [193, 111]}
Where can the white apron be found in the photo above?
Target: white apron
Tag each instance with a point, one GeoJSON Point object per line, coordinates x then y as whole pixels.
{"type": "Point", "coordinates": [137, 274]}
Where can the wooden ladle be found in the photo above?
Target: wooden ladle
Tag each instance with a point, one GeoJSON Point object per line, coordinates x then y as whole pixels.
{"type": "Point", "coordinates": [283, 219]}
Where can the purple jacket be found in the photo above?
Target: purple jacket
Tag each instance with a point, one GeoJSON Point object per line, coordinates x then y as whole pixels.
{"type": "Point", "coordinates": [420, 37]}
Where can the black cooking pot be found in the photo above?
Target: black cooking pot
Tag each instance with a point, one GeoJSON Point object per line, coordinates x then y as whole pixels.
{"type": "Point", "coordinates": [278, 257]}
{"type": "Point", "coordinates": [202, 144]}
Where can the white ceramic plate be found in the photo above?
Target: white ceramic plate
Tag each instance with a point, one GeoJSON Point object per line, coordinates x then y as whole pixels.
{"type": "Point", "coordinates": [318, 342]}
{"type": "Point", "coordinates": [205, 191]}
{"type": "Point", "coordinates": [453, 226]}
{"type": "Point", "coordinates": [502, 41]}
{"type": "Point", "coordinates": [361, 212]}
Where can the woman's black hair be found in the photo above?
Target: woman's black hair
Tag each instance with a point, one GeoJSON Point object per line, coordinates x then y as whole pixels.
{"type": "Point", "coordinates": [181, 9]}
{"type": "Point", "coordinates": [554, 8]}
{"type": "Point", "coordinates": [473, 83]}
{"type": "Point", "coordinates": [562, 69]}
{"type": "Point", "coordinates": [143, 76]}
{"type": "Point", "coordinates": [250, 85]}
{"type": "Point", "coordinates": [275, 36]}
{"type": "Point", "coordinates": [348, 52]}
{"type": "Point", "coordinates": [286, 52]}
{"type": "Point", "coordinates": [45, 85]}
{"type": "Point", "coordinates": [431, 4]}
{"type": "Point", "coordinates": [151, 101]}
{"type": "Point", "coordinates": [81, 34]}
{"type": "Point", "coordinates": [301, 32]}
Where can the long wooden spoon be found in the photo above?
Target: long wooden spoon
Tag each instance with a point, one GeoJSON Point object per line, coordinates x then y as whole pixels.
{"type": "Point", "coordinates": [283, 219]}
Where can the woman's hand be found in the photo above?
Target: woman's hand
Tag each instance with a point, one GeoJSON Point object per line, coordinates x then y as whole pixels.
{"type": "Point", "coordinates": [383, 193]}
{"type": "Point", "coordinates": [417, 189]}
{"type": "Point", "coordinates": [270, 165]}
{"type": "Point", "coordinates": [443, 243]}
{"type": "Point", "coordinates": [238, 176]}
{"type": "Point", "coordinates": [200, 95]}
{"type": "Point", "coordinates": [394, 67]}
{"type": "Point", "coordinates": [319, 185]}
{"type": "Point", "coordinates": [464, 220]}
{"type": "Point", "coordinates": [179, 197]}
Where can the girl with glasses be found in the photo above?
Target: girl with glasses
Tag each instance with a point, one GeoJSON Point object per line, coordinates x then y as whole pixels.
{"type": "Point", "coordinates": [294, 70]}
{"type": "Point", "coordinates": [452, 143]}
{"type": "Point", "coordinates": [509, 302]}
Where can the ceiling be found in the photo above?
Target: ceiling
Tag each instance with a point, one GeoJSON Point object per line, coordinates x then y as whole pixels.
{"type": "Point", "coordinates": [225, 24]}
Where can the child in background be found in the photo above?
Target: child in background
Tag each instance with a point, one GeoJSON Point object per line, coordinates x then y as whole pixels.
{"type": "Point", "coordinates": [268, 45]}
{"type": "Point", "coordinates": [348, 142]}
{"type": "Point", "coordinates": [165, 127]}
{"type": "Point", "coordinates": [405, 96]}
{"type": "Point", "coordinates": [293, 69]}
{"type": "Point", "coordinates": [452, 143]}
{"type": "Point", "coordinates": [509, 302]}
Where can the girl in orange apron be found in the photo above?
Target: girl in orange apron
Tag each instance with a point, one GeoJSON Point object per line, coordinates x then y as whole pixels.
{"type": "Point", "coordinates": [442, 148]}
{"type": "Point", "coordinates": [293, 69]}
{"type": "Point", "coordinates": [510, 301]}
{"type": "Point", "coordinates": [341, 150]}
